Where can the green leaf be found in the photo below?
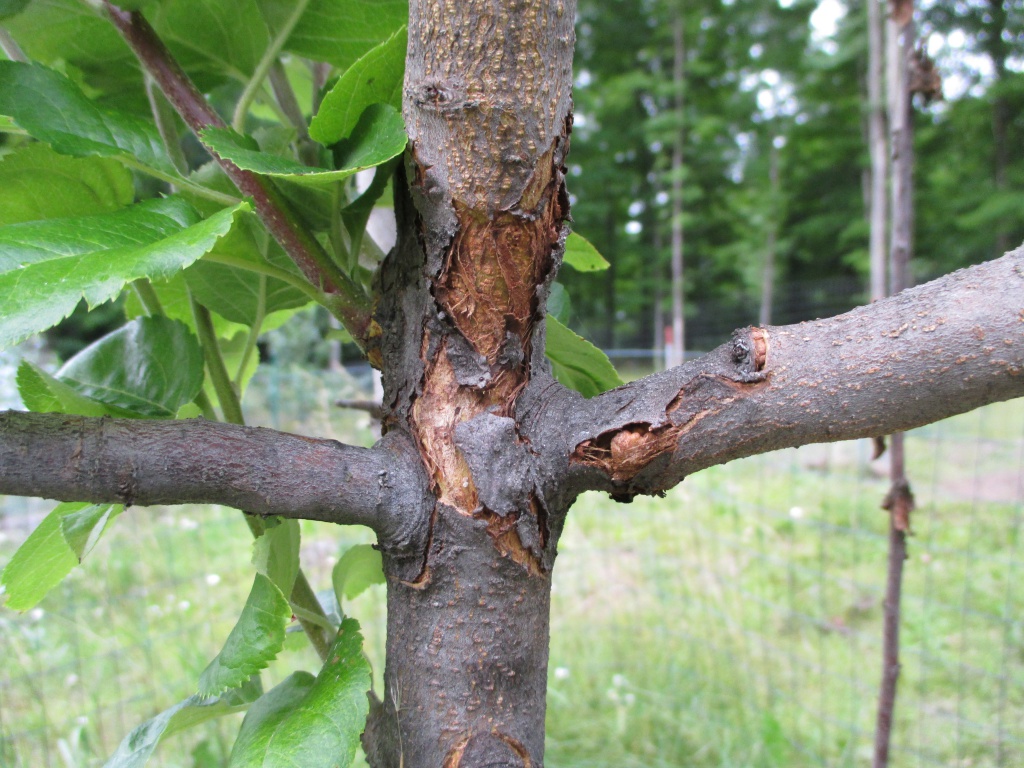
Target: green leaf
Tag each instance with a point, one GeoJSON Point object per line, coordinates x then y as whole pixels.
{"type": "Point", "coordinates": [312, 723]}
{"type": "Point", "coordinates": [577, 363]}
{"type": "Point", "coordinates": [276, 553]}
{"type": "Point", "coordinates": [582, 256]}
{"type": "Point", "coordinates": [53, 109]}
{"type": "Point", "coordinates": [376, 78]}
{"type": "Point", "coordinates": [11, 7]}
{"type": "Point", "coordinates": [35, 391]}
{"type": "Point", "coordinates": [55, 31]}
{"type": "Point", "coordinates": [214, 39]}
{"type": "Point", "coordinates": [38, 183]}
{"type": "Point", "coordinates": [358, 569]}
{"type": "Point", "coordinates": [46, 267]}
{"type": "Point", "coordinates": [44, 558]}
{"type": "Point", "coordinates": [254, 642]}
{"type": "Point", "coordinates": [82, 529]}
{"type": "Point", "coordinates": [138, 745]}
{"type": "Point", "coordinates": [378, 136]}
{"type": "Point", "coordinates": [337, 32]}
{"type": "Point", "coordinates": [43, 393]}
{"type": "Point", "coordinates": [238, 293]}
{"type": "Point", "coordinates": [559, 303]}
{"type": "Point", "coordinates": [151, 367]}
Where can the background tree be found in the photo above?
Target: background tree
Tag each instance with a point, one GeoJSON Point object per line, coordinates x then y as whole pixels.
{"type": "Point", "coordinates": [483, 450]}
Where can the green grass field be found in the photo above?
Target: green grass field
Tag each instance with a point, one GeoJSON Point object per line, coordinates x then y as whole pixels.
{"type": "Point", "coordinates": [735, 622]}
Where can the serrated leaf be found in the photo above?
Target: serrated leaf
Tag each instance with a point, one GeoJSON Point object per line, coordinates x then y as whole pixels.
{"type": "Point", "coordinates": [149, 367]}
{"type": "Point", "coordinates": [43, 393]}
{"type": "Point", "coordinates": [137, 747]}
{"type": "Point", "coordinates": [253, 643]}
{"type": "Point", "coordinates": [312, 723]}
{"type": "Point", "coordinates": [335, 32]}
{"type": "Point", "coordinates": [42, 561]}
{"type": "Point", "coordinates": [582, 256]}
{"type": "Point", "coordinates": [53, 109]}
{"type": "Point", "coordinates": [577, 363]}
{"type": "Point", "coordinates": [358, 569]}
{"type": "Point", "coordinates": [276, 553]}
{"type": "Point", "coordinates": [378, 136]}
{"type": "Point", "coordinates": [38, 183]}
{"type": "Point", "coordinates": [82, 529]}
{"type": "Point", "coordinates": [376, 78]}
{"type": "Point", "coordinates": [46, 267]}
{"type": "Point", "coordinates": [34, 392]}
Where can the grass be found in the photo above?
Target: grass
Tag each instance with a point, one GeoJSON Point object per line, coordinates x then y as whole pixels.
{"type": "Point", "coordinates": [734, 623]}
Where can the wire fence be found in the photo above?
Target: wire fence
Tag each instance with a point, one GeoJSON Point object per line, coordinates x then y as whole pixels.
{"type": "Point", "coordinates": [735, 622]}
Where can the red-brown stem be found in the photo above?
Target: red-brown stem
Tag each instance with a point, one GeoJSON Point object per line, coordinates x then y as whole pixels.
{"type": "Point", "coordinates": [347, 300]}
{"type": "Point", "coordinates": [898, 496]}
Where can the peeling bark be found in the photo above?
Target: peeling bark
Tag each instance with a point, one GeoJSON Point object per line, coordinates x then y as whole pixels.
{"type": "Point", "coordinates": [481, 233]}
{"type": "Point", "coordinates": [928, 353]}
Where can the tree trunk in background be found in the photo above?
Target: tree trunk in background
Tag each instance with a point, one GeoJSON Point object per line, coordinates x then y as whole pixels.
{"type": "Point", "coordinates": [768, 269]}
{"type": "Point", "coordinates": [1001, 117]}
{"type": "Point", "coordinates": [677, 348]}
{"type": "Point", "coordinates": [481, 215]}
{"type": "Point", "coordinates": [611, 231]}
{"type": "Point", "coordinates": [659, 295]}
{"type": "Point", "coordinates": [879, 151]}
{"type": "Point", "coordinates": [899, 501]}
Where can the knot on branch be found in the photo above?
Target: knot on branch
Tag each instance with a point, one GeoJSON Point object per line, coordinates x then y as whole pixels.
{"type": "Point", "coordinates": [750, 353]}
{"type": "Point", "coordinates": [899, 502]}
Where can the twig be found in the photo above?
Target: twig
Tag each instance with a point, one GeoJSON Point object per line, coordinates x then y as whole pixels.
{"type": "Point", "coordinates": [372, 407]}
{"type": "Point", "coordinates": [264, 65]}
{"type": "Point", "coordinates": [346, 300]}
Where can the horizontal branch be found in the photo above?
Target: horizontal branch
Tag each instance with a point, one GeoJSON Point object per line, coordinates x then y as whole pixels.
{"type": "Point", "coordinates": [931, 352]}
{"type": "Point", "coordinates": [261, 471]}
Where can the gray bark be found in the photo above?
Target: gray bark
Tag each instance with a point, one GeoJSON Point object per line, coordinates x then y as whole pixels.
{"type": "Point", "coordinates": [261, 471]}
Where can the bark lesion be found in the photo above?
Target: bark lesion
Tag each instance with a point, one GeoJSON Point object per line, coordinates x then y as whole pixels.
{"type": "Point", "coordinates": [624, 451]}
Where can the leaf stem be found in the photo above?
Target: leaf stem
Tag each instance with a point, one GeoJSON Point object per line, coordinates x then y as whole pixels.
{"type": "Point", "coordinates": [270, 271]}
{"type": "Point", "coordinates": [163, 116]}
{"type": "Point", "coordinates": [229, 403]}
{"type": "Point", "coordinates": [304, 598]}
{"type": "Point", "coordinates": [263, 66]}
{"type": "Point", "coordinates": [254, 332]}
{"type": "Point", "coordinates": [147, 297]}
{"type": "Point", "coordinates": [180, 182]}
{"type": "Point", "coordinates": [11, 48]}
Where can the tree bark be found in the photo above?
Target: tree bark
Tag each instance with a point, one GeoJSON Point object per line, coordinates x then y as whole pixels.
{"type": "Point", "coordinates": [481, 232]}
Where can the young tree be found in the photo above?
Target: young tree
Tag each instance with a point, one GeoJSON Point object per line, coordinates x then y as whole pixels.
{"type": "Point", "coordinates": [483, 450]}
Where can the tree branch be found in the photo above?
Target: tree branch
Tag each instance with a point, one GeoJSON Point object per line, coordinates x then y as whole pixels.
{"type": "Point", "coordinates": [265, 472]}
{"type": "Point", "coordinates": [931, 352]}
{"type": "Point", "coordinates": [347, 300]}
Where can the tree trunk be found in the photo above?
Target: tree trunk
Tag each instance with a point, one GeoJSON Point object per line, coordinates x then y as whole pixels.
{"type": "Point", "coordinates": [481, 230]}
{"type": "Point", "coordinates": [878, 149]}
